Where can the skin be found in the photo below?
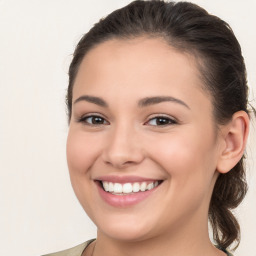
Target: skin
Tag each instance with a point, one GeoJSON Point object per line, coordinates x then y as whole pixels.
{"type": "Point", "coordinates": [187, 153]}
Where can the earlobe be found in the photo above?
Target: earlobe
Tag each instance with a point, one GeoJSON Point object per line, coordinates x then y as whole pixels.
{"type": "Point", "coordinates": [235, 138]}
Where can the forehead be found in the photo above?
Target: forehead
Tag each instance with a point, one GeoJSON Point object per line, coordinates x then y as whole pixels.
{"type": "Point", "coordinates": [138, 66]}
{"type": "Point", "coordinates": [139, 54]}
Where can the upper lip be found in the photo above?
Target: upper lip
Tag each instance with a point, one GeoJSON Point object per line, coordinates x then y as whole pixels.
{"type": "Point", "coordinates": [123, 179]}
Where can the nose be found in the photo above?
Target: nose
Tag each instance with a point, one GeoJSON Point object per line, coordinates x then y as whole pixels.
{"type": "Point", "coordinates": [123, 148]}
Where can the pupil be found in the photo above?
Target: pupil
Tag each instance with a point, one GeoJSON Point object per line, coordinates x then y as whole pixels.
{"type": "Point", "coordinates": [97, 120]}
{"type": "Point", "coordinates": [162, 121]}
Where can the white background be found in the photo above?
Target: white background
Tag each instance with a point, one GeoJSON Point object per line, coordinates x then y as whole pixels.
{"type": "Point", "coordinates": [39, 212]}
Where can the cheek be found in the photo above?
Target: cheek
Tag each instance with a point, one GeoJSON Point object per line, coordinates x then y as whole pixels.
{"type": "Point", "coordinates": [189, 162]}
{"type": "Point", "coordinates": [81, 152]}
{"type": "Point", "coordinates": [185, 156]}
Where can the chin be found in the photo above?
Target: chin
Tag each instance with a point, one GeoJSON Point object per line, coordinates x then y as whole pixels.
{"type": "Point", "coordinates": [127, 235]}
{"type": "Point", "coordinates": [125, 230]}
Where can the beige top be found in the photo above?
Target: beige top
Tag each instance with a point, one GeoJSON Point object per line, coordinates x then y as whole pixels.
{"type": "Point", "coordinates": [78, 250]}
{"type": "Point", "coordinates": [74, 251]}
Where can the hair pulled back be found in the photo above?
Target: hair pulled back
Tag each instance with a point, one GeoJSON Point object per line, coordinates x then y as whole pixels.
{"type": "Point", "coordinates": [188, 28]}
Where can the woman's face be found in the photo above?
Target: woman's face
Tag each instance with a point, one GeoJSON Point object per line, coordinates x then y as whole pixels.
{"type": "Point", "coordinates": [141, 121]}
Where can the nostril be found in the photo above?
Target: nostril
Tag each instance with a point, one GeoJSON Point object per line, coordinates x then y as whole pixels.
{"type": "Point", "coordinates": [128, 163]}
{"type": "Point", "coordinates": [119, 163]}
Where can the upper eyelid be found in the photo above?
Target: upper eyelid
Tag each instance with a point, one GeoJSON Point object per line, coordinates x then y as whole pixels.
{"type": "Point", "coordinates": [88, 115]}
{"type": "Point", "coordinates": [163, 116]}
{"type": "Point", "coordinates": [172, 121]}
{"type": "Point", "coordinates": [92, 114]}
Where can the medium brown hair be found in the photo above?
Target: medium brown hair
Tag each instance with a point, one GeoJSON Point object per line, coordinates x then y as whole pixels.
{"type": "Point", "coordinates": [188, 27]}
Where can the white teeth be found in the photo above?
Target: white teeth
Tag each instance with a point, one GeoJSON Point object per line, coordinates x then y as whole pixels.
{"type": "Point", "coordinates": [143, 186]}
{"type": "Point", "coordinates": [105, 186]}
{"type": "Point", "coordinates": [127, 188]}
{"type": "Point", "coordinates": [118, 188]}
{"type": "Point", "coordinates": [136, 187]}
{"type": "Point", "coordinates": [110, 187]}
{"type": "Point", "coordinates": [150, 186]}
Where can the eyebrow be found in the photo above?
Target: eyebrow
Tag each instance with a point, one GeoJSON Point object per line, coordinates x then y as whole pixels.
{"type": "Point", "coordinates": [96, 100]}
{"type": "Point", "coordinates": [141, 103]}
{"type": "Point", "coordinates": [159, 99]}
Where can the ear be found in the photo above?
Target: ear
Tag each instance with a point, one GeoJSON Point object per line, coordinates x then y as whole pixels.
{"type": "Point", "coordinates": [234, 138]}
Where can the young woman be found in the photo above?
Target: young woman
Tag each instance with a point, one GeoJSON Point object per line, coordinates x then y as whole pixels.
{"type": "Point", "coordinates": [158, 117]}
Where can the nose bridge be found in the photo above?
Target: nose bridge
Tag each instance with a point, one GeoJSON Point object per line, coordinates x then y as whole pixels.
{"type": "Point", "coordinates": [123, 147]}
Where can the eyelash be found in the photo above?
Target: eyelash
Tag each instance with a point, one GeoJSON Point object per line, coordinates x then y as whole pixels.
{"type": "Point", "coordinates": [167, 120]}
{"type": "Point", "coordinates": [84, 119]}
{"type": "Point", "coordinates": [170, 121]}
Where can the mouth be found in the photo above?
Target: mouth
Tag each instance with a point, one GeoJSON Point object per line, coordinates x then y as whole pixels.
{"type": "Point", "coordinates": [129, 188]}
{"type": "Point", "coordinates": [126, 191]}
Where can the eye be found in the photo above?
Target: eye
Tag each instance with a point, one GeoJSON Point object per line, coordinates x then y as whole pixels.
{"type": "Point", "coordinates": [161, 121]}
{"type": "Point", "coordinates": [93, 120]}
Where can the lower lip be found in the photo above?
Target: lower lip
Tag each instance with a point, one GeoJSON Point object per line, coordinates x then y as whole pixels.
{"type": "Point", "coordinates": [124, 200]}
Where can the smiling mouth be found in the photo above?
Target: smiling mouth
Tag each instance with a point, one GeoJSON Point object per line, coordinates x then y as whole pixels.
{"type": "Point", "coordinates": [129, 188]}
